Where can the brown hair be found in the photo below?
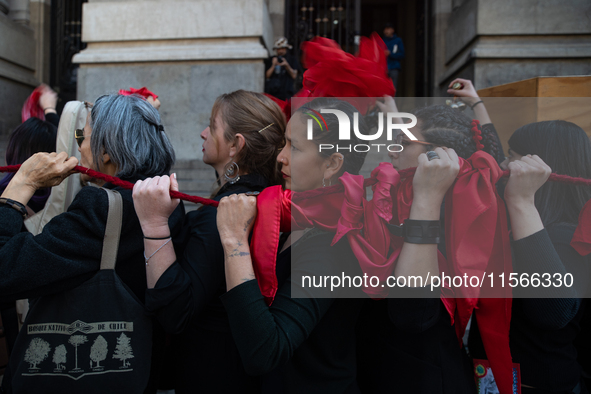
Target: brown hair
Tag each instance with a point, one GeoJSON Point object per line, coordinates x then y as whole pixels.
{"type": "Point", "coordinates": [248, 113]}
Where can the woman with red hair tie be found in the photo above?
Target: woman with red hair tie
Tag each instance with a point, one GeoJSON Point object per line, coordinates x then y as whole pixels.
{"type": "Point", "coordinates": [408, 343]}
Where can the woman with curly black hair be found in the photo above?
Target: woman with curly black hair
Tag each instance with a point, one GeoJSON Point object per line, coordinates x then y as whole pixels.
{"type": "Point", "coordinates": [410, 344]}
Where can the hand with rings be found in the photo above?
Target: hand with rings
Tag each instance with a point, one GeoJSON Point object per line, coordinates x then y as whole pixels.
{"type": "Point", "coordinates": [436, 173]}
{"type": "Point", "coordinates": [432, 155]}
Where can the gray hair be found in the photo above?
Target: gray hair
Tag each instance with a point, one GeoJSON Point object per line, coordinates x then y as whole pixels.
{"type": "Point", "coordinates": [127, 128]}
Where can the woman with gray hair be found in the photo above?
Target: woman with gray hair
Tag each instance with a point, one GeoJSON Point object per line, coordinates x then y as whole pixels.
{"type": "Point", "coordinates": [123, 137]}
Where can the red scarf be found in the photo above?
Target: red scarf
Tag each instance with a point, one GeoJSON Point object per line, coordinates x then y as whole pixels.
{"type": "Point", "coordinates": [477, 241]}
{"type": "Point", "coordinates": [582, 238]}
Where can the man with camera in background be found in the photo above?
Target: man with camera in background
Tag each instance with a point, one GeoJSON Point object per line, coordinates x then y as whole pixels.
{"type": "Point", "coordinates": [281, 71]}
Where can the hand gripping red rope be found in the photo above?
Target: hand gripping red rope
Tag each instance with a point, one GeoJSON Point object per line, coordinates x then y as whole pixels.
{"type": "Point", "coordinates": [298, 196]}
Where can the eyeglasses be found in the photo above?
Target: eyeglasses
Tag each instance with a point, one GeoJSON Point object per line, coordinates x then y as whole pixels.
{"type": "Point", "coordinates": [400, 140]}
{"type": "Point", "coordinates": [79, 135]}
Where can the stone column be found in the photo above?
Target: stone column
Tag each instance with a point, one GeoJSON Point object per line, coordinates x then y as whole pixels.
{"type": "Point", "coordinates": [506, 41]}
{"type": "Point", "coordinates": [19, 11]}
{"type": "Point", "coordinates": [277, 14]}
{"type": "Point", "coordinates": [41, 25]}
{"type": "Point", "coordinates": [3, 6]}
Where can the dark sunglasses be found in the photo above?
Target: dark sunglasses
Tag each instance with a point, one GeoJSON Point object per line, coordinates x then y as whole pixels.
{"type": "Point", "coordinates": [79, 135]}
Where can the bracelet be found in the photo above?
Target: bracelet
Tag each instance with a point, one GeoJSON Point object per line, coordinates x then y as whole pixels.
{"type": "Point", "coordinates": [16, 205]}
{"type": "Point", "coordinates": [157, 250]}
{"type": "Point", "coordinates": [476, 103]}
{"type": "Point", "coordinates": [417, 231]}
{"type": "Point", "coordinates": [157, 239]}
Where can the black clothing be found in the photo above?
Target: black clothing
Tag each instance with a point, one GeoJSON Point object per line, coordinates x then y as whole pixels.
{"type": "Point", "coordinates": [408, 345]}
{"type": "Point", "coordinates": [303, 345]}
{"type": "Point", "coordinates": [67, 253]}
{"type": "Point", "coordinates": [281, 84]}
{"type": "Point", "coordinates": [543, 330]}
{"type": "Point", "coordinates": [52, 118]}
{"type": "Point", "coordinates": [186, 302]}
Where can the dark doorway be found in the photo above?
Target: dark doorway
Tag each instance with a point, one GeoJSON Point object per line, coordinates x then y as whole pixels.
{"type": "Point", "coordinates": [66, 41]}
{"type": "Point", "coordinates": [411, 19]}
{"type": "Point", "coordinates": [337, 19]}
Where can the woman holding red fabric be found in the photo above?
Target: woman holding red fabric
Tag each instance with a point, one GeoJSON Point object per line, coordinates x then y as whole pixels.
{"type": "Point", "coordinates": [545, 321]}
{"type": "Point", "coordinates": [308, 344]}
{"type": "Point", "coordinates": [408, 344]}
{"type": "Point", "coordinates": [241, 143]}
{"type": "Point", "coordinates": [298, 344]}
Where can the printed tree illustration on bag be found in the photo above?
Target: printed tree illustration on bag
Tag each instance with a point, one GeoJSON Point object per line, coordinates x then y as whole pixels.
{"type": "Point", "coordinates": [59, 357]}
{"type": "Point", "coordinates": [98, 351]}
{"type": "Point", "coordinates": [37, 351]}
{"type": "Point", "coordinates": [77, 340]}
{"type": "Point", "coordinates": [123, 350]}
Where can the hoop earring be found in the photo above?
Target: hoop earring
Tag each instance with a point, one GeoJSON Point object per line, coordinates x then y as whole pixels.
{"type": "Point", "coordinates": [324, 182]}
{"type": "Point", "coordinates": [231, 172]}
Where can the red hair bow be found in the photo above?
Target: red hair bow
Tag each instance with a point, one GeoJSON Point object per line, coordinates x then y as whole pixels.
{"type": "Point", "coordinates": [144, 92]}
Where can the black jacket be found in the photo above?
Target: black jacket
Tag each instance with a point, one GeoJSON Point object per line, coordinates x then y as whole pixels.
{"type": "Point", "coordinates": [67, 253]}
{"type": "Point", "coordinates": [186, 302]}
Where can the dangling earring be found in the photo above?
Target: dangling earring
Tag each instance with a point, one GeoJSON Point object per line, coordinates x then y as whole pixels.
{"type": "Point", "coordinates": [324, 182]}
{"type": "Point", "coordinates": [231, 172]}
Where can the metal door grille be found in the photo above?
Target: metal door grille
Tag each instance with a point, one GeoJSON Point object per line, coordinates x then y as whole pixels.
{"type": "Point", "coordinates": [334, 19]}
{"type": "Point", "coordinates": [66, 41]}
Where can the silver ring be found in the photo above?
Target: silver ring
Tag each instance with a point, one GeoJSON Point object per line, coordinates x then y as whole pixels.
{"type": "Point", "coordinates": [431, 155]}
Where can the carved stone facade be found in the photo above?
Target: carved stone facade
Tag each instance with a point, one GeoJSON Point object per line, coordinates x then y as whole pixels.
{"type": "Point", "coordinates": [502, 41]}
{"type": "Point", "coordinates": [189, 52]}
{"type": "Point", "coordinates": [24, 57]}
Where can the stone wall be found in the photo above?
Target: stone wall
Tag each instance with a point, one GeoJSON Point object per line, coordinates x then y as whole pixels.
{"type": "Point", "coordinates": [17, 66]}
{"type": "Point", "coordinates": [200, 50]}
{"type": "Point", "coordinates": [509, 40]}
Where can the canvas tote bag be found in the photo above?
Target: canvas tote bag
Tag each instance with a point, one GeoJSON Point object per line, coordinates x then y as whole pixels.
{"type": "Point", "coordinates": [95, 338]}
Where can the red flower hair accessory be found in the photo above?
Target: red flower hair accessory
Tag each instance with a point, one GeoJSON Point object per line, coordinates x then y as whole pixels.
{"type": "Point", "coordinates": [144, 92]}
{"type": "Point", "coordinates": [477, 134]}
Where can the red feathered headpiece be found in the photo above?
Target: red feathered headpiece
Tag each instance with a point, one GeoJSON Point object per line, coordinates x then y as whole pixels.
{"type": "Point", "coordinates": [333, 72]}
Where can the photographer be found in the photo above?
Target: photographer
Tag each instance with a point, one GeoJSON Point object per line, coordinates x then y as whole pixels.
{"type": "Point", "coordinates": [281, 71]}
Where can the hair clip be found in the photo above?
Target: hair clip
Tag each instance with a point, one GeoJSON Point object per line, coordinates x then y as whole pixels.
{"type": "Point", "coordinates": [160, 127]}
{"type": "Point", "coordinates": [266, 127]}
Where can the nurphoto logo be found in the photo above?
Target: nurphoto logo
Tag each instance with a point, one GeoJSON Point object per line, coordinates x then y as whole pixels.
{"type": "Point", "coordinates": [345, 130]}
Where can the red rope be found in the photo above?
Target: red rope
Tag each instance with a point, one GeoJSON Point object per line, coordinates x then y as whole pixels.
{"type": "Point", "coordinates": [296, 196]}
{"type": "Point", "coordinates": [128, 185]}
